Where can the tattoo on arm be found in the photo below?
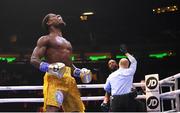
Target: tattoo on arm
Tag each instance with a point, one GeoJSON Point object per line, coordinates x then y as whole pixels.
{"type": "Point", "coordinates": [39, 51]}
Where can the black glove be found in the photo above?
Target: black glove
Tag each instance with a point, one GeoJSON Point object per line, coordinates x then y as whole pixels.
{"type": "Point", "coordinates": [123, 48]}
{"type": "Point", "coordinates": [105, 107]}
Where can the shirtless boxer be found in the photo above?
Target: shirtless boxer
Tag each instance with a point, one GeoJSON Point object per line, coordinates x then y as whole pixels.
{"type": "Point", "coordinates": [60, 88]}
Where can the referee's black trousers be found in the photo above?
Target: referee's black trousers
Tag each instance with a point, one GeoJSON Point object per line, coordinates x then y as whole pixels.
{"type": "Point", "coordinates": [124, 103]}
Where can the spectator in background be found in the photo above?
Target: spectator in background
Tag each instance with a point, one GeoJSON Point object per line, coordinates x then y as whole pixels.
{"type": "Point", "coordinates": [143, 88]}
{"type": "Point", "coordinates": [112, 65]}
{"type": "Point", "coordinates": [142, 102]}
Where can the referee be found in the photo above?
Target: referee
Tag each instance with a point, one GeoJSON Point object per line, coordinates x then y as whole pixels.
{"type": "Point", "coordinates": [119, 84]}
{"type": "Point", "coordinates": [113, 66]}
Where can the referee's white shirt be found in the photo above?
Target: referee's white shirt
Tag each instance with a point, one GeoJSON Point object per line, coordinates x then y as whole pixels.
{"type": "Point", "coordinates": [120, 82]}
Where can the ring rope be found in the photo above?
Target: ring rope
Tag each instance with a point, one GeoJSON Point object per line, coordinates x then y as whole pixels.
{"type": "Point", "coordinates": [169, 78]}
{"type": "Point", "coordinates": [83, 86]}
{"type": "Point", "coordinates": [170, 93]}
{"type": "Point", "coordinates": [10, 100]}
{"type": "Point", "coordinates": [163, 81]}
{"type": "Point", "coordinates": [170, 81]}
{"type": "Point", "coordinates": [17, 100]}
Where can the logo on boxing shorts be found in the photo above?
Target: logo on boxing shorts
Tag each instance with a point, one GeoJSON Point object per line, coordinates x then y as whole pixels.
{"type": "Point", "coordinates": [152, 102]}
{"type": "Point", "coordinates": [152, 83]}
{"type": "Point", "coordinates": [59, 97]}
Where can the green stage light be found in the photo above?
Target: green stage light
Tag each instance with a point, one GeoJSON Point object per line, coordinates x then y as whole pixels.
{"type": "Point", "coordinates": [43, 58]}
{"type": "Point", "coordinates": [8, 59]}
{"type": "Point", "coordinates": [159, 55]}
{"type": "Point", "coordinates": [3, 59]}
{"type": "Point", "coordinates": [120, 56]}
{"type": "Point", "coordinates": [73, 58]}
{"type": "Point", "coordinates": [95, 58]}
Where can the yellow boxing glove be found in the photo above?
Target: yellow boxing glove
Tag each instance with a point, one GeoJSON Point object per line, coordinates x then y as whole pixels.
{"type": "Point", "coordinates": [84, 74]}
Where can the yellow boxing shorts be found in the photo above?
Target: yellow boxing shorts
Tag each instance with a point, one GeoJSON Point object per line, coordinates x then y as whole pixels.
{"type": "Point", "coordinates": [67, 85]}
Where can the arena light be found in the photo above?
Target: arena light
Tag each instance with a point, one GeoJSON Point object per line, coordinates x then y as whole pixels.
{"type": "Point", "coordinates": [95, 58]}
{"type": "Point", "coordinates": [158, 55]}
{"type": "Point", "coordinates": [87, 13]}
{"type": "Point", "coordinates": [43, 58]}
{"type": "Point", "coordinates": [2, 59]}
{"type": "Point", "coordinates": [83, 18]}
{"type": "Point", "coordinates": [162, 54]}
{"type": "Point", "coordinates": [165, 9]}
{"type": "Point", "coordinates": [8, 59]}
{"type": "Point", "coordinates": [76, 56]}
{"type": "Point", "coordinates": [120, 56]}
{"type": "Point", "coordinates": [73, 58]}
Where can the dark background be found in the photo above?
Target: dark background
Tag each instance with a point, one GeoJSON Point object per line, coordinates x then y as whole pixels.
{"type": "Point", "coordinates": [114, 22]}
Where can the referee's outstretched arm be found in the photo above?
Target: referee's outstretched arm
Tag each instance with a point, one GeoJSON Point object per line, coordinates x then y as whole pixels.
{"type": "Point", "coordinates": [133, 61]}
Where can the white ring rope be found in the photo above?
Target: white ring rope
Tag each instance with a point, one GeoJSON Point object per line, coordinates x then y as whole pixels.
{"type": "Point", "coordinates": [83, 86]}
{"type": "Point", "coordinates": [169, 111]}
{"type": "Point", "coordinates": [166, 83]}
{"type": "Point", "coordinates": [167, 95]}
{"type": "Point", "coordinates": [17, 100]}
{"type": "Point", "coordinates": [14, 100]}
{"type": "Point", "coordinates": [10, 88]}
{"type": "Point", "coordinates": [10, 100]}
{"type": "Point", "coordinates": [169, 78]}
{"type": "Point", "coordinates": [92, 98]}
{"type": "Point", "coordinates": [170, 93]}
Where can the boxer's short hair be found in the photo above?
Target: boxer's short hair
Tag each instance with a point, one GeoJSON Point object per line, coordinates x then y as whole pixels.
{"type": "Point", "coordinates": [45, 20]}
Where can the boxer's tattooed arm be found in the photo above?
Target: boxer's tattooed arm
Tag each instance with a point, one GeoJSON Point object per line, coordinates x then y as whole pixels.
{"type": "Point", "coordinates": [35, 61]}
{"type": "Point", "coordinates": [39, 51]}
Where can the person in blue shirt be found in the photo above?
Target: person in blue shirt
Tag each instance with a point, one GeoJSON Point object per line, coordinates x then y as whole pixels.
{"type": "Point", "coordinates": [119, 84]}
{"type": "Point", "coordinates": [120, 81]}
{"type": "Point", "coordinates": [112, 66]}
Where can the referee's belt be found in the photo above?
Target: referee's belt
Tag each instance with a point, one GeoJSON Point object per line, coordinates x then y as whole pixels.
{"type": "Point", "coordinates": [132, 94]}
